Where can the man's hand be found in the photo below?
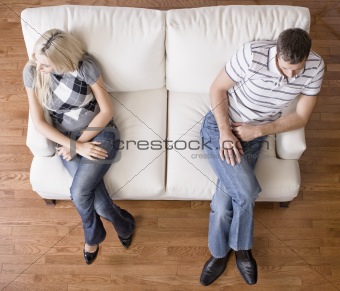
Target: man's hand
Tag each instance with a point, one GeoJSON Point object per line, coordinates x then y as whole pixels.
{"type": "Point", "coordinates": [245, 131]}
{"type": "Point", "coordinates": [230, 148]}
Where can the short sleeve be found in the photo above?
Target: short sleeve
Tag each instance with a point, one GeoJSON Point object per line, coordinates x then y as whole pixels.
{"type": "Point", "coordinates": [238, 65]}
{"type": "Point", "coordinates": [89, 70]}
{"type": "Point", "coordinates": [314, 86]}
{"type": "Point", "coordinates": [28, 75]}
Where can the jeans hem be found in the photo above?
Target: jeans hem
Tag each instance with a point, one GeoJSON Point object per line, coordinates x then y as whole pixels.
{"type": "Point", "coordinates": [218, 256]}
{"type": "Point", "coordinates": [96, 243]}
{"type": "Point", "coordinates": [241, 248]}
{"type": "Point", "coordinates": [133, 228]}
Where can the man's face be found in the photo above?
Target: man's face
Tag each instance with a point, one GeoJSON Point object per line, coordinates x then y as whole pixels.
{"type": "Point", "coordinates": [287, 69]}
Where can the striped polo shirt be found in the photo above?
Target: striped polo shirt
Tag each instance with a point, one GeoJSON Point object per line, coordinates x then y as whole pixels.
{"type": "Point", "coordinates": [261, 92]}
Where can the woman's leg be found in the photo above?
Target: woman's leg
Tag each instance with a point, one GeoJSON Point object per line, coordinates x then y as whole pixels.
{"type": "Point", "coordinates": [122, 220]}
{"type": "Point", "coordinates": [90, 196]}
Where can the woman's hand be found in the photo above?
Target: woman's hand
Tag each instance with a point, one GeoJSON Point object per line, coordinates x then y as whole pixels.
{"type": "Point", "coordinates": [65, 153]}
{"type": "Point", "coordinates": [91, 150]}
{"type": "Point", "coordinates": [230, 148]}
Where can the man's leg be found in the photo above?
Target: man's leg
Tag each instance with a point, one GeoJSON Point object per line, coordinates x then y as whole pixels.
{"type": "Point", "coordinates": [240, 189]}
{"type": "Point", "coordinates": [220, 218]}
{"type": "Point", "coordinates": [237, 185]}
{"type": "Point", "coordinates": [221, 215]}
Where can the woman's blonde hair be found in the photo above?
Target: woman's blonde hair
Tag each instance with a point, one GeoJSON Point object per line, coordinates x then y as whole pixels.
{"type": "Point", "coordinates": [64, 53]}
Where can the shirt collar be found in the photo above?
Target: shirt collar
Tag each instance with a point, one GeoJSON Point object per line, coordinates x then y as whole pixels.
{"type": "Point", "coordinates": [272, 61]}
{"type": "Point", "coordinates": [281, 80]}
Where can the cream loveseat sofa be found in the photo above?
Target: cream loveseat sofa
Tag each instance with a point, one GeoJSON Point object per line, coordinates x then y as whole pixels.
{"type": "Point", "coordinates": [158, 67]}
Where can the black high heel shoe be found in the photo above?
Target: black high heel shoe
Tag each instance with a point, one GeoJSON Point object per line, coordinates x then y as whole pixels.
{"type": "Point", "coordinates": [126, 242]}
{"type": "Point", "coordinates": [90, 257]}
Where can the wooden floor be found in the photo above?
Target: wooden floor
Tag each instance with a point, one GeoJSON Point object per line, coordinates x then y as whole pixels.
{"type": "Point", "coordinates": [297, 248]}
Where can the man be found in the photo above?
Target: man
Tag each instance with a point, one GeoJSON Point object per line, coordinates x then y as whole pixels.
{"type": "Point", "coordinates": [247, 98]}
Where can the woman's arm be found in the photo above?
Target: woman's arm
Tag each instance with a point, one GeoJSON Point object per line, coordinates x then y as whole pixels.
{"type": "Point", "coordinates": [105, 114]}
{"type": "Point", "coordinates": [40, 123]}
{"type": "Point", "coordinates": [90, 150]}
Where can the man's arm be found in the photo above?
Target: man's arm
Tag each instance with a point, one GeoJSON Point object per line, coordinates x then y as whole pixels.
{"type": "Point", "coordinates": [294, 120]}
{"type": "Point", "coordinates": [230, 146]}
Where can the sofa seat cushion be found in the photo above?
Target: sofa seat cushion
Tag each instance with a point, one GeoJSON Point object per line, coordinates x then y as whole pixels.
{"type": "Point", "coordinates": [138, 170]}
{"type": "Point", "coordinates": [189, 175]}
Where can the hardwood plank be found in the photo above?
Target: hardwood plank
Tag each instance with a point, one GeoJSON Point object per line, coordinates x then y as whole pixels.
{"type": "Point", "coordinates": [321, 195]}
{"type": "Point", "coordinates": [65, 278]}
{"type": "Point", "coordinates": [334, 117]}
{"type": "Point", "coordinates": [5, 230]}
{"type": "Point", "coordinates": [14, 180]}
{"type": "Point", "coordinates": [320, 124]}
{"type": "Point", "coordinates": [56, 286]}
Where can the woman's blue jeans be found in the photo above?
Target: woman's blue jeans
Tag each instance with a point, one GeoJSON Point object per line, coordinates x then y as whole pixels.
{"type": "Point", "coordinates": [231, 222]}
{"type": "Point", "coordinates": [89, 193]}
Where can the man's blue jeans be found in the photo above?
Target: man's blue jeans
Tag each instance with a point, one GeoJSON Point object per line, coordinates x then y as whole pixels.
{"type": "Point", "coordinates": [231, 220]}
{"type": "Point", "coordinates": [90, 195]}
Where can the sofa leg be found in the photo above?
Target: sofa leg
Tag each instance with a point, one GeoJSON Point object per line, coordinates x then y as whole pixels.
{"type": "Point", "coordinates": [284, 204]}
{"type": "Point", "coordinates": [50, 202]}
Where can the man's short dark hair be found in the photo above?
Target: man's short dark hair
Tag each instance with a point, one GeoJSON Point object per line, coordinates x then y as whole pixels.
{"type": "Point", "coordinates": [294, 45]}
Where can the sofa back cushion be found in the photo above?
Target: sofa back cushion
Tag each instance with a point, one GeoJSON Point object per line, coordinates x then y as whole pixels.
{"type": "Point", "coordinates": [199, 41]}
{"type": "Point", "coordinates": [128, 43]}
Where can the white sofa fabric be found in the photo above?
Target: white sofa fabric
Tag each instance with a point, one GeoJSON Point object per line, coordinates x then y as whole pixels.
{"type": "Point", "coordinates": [158, 67]}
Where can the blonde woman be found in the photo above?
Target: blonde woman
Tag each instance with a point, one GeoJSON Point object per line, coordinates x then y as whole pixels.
{"type": "Point", "coordinates": [65, 80]}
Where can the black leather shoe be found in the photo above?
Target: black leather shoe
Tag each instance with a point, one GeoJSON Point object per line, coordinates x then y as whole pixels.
{"type": "Point", "coordinates": [90, 257]}
{"type": "Point", "coordinates": [213, 268]}
{"type": "Point", "coordinates": [126, 242]}
{"type": "Point", "coordinates": [247, 266]}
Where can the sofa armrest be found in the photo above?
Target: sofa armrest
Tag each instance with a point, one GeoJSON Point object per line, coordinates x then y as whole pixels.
{"type": "Point", "coordinates": [290, 145]}
{"type": "Point", "coordinates": [38, 144]}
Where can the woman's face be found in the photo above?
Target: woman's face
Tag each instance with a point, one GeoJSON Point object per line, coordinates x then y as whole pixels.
{"type": "Point", "coordinates": [43, 64]}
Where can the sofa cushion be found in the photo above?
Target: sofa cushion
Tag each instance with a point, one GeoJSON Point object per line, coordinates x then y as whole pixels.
{"type": "Point", "coordinates": [128, 43]}
{"type": "Point", "coordinates": [279, 179]}
{"type": "Point", "coordinates": [189, 174]}
{"type": "Point", "coordinates": [49, 178]}
{"type": "Point", "coordinates": [199, 41]}
{"type": "Point", "coordinates": [138, 171]}
{"type": "Point", "coordinates": [38, 143]}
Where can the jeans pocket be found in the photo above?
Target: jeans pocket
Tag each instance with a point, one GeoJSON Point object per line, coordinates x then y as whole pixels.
{"type": "Point", "coordinates": [109, 140]}
{"type": "Point", "coordinates": [210, 122]}
{"type": "Point", "coordinates": [111, 150]}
